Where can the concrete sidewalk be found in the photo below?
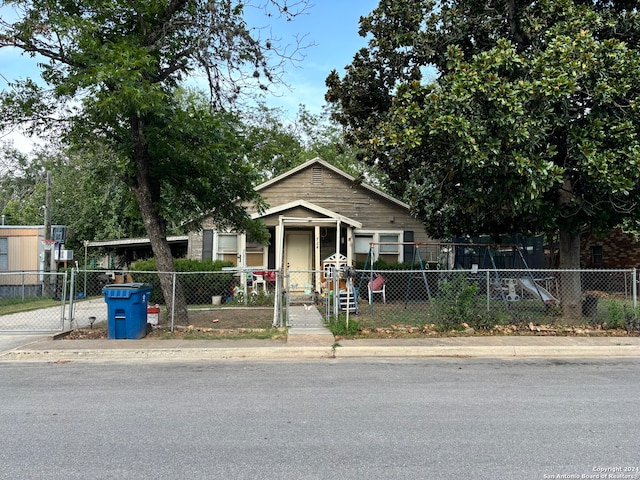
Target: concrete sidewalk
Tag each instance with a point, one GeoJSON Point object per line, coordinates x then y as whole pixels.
{"type": "Point", "coordinates": [50, 350]}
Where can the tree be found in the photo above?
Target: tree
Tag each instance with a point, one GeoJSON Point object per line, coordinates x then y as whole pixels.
{"type": "Point", "coordinates": [88, 197]}
{"type": "Point", "coordinates": [276, 144]}
{"type": "Point", "coordinates": [20, 195]}
{"type": "Point", "coordinates": [531, 124]}
{"type": "Point", "coordinates": [113, 68]}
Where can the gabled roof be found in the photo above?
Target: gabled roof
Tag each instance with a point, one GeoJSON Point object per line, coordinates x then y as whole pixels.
{"type": "Point", "coordinates": [309, 206]}
{"type": "Point", "coordinates": [334, 169]}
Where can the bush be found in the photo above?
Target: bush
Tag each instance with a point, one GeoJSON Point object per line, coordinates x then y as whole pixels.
{"type": "Point", "coordinates": [457, 303]}
{"type": "Point", "coordinates": [621, 315]}
{"type": "Point", "coordinates": [198, 289]}
{"type": "Point", "coordinates": [339, 326]}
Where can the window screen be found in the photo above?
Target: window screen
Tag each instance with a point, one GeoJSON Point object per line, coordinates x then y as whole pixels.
{"type": "Point", "coordinates": [4, 253]}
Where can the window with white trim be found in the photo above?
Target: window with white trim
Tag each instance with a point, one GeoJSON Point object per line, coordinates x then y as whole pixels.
{"type": "Point", "coordinates": [386, 246]}
{"type": "Point", "coordinates": [389, 249]}
{"type": "Point", "coordinates": [362, 246]}
{"type": "Point", "coordinates": [255, 253]}
{"type": "Point", "coordinates": [227, 247]}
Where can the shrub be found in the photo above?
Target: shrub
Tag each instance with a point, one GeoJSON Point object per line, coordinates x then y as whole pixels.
{"type": "Point", "coordinates": [457, 303]}
{"type": "Point", "coordinates": [339, 327]}
{"type": "Point", "coordinates": [621, 315]}
{"type": "Point", "coordinates": [198, 289]}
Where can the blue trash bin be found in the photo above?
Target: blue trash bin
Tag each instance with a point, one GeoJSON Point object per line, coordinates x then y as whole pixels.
{"type": "Point", "coordinates": [127, 309]}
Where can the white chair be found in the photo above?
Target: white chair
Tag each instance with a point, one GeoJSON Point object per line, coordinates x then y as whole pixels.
{"type": "Point", "coordinates": [377, 285]}
{"type": "Point", "coordinates": [256, 282]}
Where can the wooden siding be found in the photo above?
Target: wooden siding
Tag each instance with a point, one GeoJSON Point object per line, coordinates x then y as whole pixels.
{"type": "Point", "coordinates": [340, 195]}
{"type": "Point", "coordinates": [328, 189]}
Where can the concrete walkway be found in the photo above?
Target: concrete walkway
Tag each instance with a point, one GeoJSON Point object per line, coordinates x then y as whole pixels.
{"type": "Point", "coordinates": [306, 327]}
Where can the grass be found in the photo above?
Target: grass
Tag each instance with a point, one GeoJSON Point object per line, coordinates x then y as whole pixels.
{"type": "Point", "coordinates": [15, 305]}
{"type": "Point", "coordinates": [240, 334]}
{"type": "Point", "coordinates": [612, 314]}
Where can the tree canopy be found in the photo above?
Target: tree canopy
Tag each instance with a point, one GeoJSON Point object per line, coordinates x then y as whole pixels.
{"type": "Point", "coordinates": [88, 197]}
{"type": "Point", "coordinates": [112, 69]}
{"type": "Point", "coordinates": [529, 125]}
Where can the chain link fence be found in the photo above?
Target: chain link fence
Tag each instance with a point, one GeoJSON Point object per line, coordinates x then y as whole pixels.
{"type": "Point", "coordinates": [448, 299]}
{"type": "Point", "coordinates": [482, 299]}
{"type": "Point", "coordinates": [33, 301]}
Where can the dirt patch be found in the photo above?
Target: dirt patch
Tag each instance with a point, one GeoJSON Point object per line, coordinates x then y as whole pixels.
{"type": "Point", "coordinates": [219, 323]}
{"type": "Point", "coordinates": [524, 329]}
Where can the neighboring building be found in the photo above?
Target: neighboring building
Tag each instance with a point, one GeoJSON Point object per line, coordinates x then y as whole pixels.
{"type": "Point", "coordinates": [122, 253]}
{"type": "Point", "coordinates": [616, 250]}
{"type": "Point", "coordinates": [21, 247]}
{"type": "Point", "coordinates": [21, 251]}
{"type": "Point", "coordinates": [315, 211]}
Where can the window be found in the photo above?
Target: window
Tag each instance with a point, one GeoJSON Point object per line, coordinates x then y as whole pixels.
{"type": "Point", "coordinates": [255, 253]}
{"type": "Point", "coordinates": [386, 246]}
{"type": "Point", "coordinates": [228, 247]}
{"type": "Point", "coordinates": [389, 248]}
{"type": "Point", "coordinates": [362, 246]}
{"type": "Point", "coordinates": [596, 256]}
{"type": "Point", "coordinates": [4, 253]}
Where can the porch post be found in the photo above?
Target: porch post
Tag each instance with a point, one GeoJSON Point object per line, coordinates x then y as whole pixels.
{"type": "Point", "coordinates": [280, 243]}
{"type": "Point", "coordinates": [242, 261]}
{"type": "Point", "coordinates": [338, 225]}
{"type": "Point", "coordinates": [350, 246]}
{"type": "Point", "coordinates": [277, 299]}
{"type": "Point", "coordinates": [318, 260]}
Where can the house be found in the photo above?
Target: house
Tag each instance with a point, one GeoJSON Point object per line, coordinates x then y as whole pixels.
{"type": "Point", "coordinates": [616, 250]}
{"type": "Point", "coordinates": [316, 212]}
{"type": "Point", "coordinates": [21, 248]}
{"type": "Point", "coordinates": [21, 251]}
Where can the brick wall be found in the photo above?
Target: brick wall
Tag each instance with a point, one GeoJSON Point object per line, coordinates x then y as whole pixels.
{"type": "Point", "coordinates": [618, 250]}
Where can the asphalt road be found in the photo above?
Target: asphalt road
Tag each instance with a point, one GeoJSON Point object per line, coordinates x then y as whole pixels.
{"type": "Point", "coordinates": [346, 419]}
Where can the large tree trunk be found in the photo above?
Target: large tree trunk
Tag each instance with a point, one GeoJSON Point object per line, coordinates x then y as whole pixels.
{"type": "Point", "coordinates": [570, 282]}
{"type": "Point", "coordinates": [145, 192]}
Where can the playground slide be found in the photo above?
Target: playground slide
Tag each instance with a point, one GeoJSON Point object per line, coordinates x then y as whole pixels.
{"type": "Point", "coordinates": [537, 290]}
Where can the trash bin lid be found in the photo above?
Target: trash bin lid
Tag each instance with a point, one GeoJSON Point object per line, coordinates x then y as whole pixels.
{"type": "Point", "coordinates": [127, 286]}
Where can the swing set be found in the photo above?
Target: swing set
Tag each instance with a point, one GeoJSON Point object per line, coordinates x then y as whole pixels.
{"type": "Point", "coordinates": [417, 286]}
{"type": "Point", "coordinates": [418, 272]}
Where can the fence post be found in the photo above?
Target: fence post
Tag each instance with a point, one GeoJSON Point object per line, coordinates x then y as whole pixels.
{"type": "Point", "coordinates": [288, 297]}
{"type": "Point", "coordinates": [280, 283]}
{"type": "Point", "coordinates": [72, 292]}
{"type": "Point", "coordinates": [488, 290]}
{"type": "Point", "coordinates": [63, 298]}
{"type": "Point", "coordinates": [634, 288]}
{"type": "Point", "coordinates": [276, 303]}
{"type": "Point", "coordinates": [173, 300]}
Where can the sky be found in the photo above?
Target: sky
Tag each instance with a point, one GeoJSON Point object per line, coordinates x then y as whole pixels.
{"type": "Point", "coordinates": [331, 25]}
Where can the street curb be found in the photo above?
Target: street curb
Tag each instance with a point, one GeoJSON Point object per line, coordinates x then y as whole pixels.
{"type": "Point", "coordinates": [495, 351]}
{"type": "Point", "coordinates": [322, 352]}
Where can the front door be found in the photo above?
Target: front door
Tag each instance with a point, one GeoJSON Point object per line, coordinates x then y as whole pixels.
{"type": "Point", "coordinates": [298, 259]}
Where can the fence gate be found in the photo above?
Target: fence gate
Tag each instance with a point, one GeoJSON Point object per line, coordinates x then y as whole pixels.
{"type": "Point", "coordinates": [33, 301]}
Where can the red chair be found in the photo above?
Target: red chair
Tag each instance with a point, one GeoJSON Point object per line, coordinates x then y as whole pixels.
{"type": "Point", "coordinates": [377, 285]}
